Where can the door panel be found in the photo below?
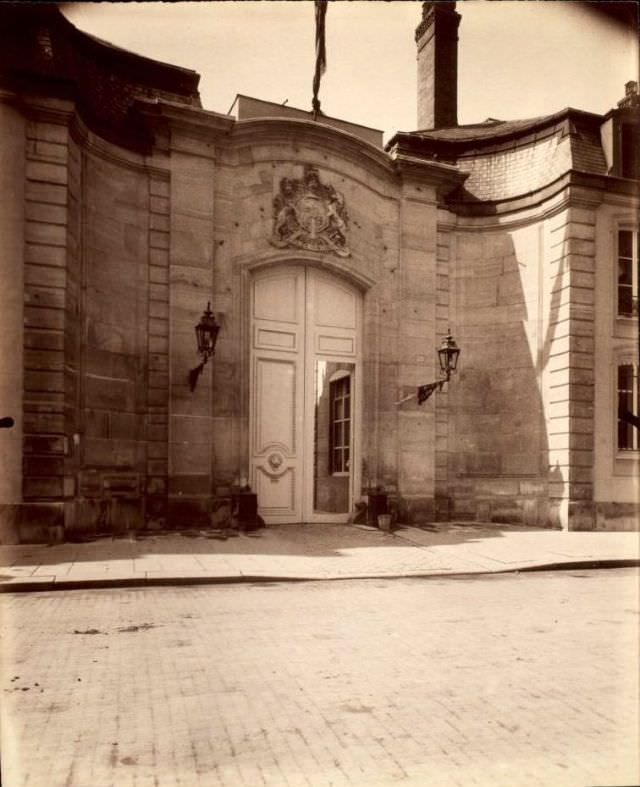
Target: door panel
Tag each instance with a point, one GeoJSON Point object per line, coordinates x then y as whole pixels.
{"type": "Point", "coordinates": [277, 297]}
{"type": "Point", "coordinates": [276, 494]}
{"type": "Point", "coordinates": [304, 401]}
{"type": "Point", "coordinates": [277, 398]}
{"type": "Point", "coordinates": [334, 305]}
{"type": "Point", "coordinates": [275, 340]}
{"type": "Point", "coordinates": [335, 345]}
{"type": "Point", "coordinates": [275, 388]}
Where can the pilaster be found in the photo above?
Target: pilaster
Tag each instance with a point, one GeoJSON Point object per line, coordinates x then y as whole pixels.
{"type": "Point", "coordinates": [50, 306]}
{"type": "Point", "coordinates": [191, 258]}
{"type": "Point", "coordinates": [416, 337]}
{"type": "Point", "coordinates": [570, 366]}
{"type": "Point", "coordinates": [158, 354]}
{"type": "Point", "coordinates": [12, 176]}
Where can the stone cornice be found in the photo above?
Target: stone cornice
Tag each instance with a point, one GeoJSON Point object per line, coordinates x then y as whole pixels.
{"type": "Point", "coordinates": [566, 197]}
{"type": "Point", "coordinates": [186, 118]}
{"type": "Point", "coordinates": [103, 149]}
{"type": "Point", "coordinates": [164, 119]}
{"type": "Point", "coordinates": [47, 109]}
{"type": "Point", "coordinates": [593, 188]}
{"type": "Point", "coordinates": [225, 131]}
{"type": "Point", "coordinates": [444, 177]}
{"type": "Point", "coordinates": [290, 131]}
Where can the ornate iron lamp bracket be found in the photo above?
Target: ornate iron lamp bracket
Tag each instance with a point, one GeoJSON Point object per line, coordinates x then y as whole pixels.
{"type": "Point", "coordinates": [207, 335]}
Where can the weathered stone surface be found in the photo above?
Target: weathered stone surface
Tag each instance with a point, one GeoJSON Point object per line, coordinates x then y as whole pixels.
{"type": "Point", "coordinates": [46, 172]}
{"type": "Point", "coordinates": [44, 444]}
{"type": "Point", "coordinates": [189, 457]}
{"type": "Point", "coordinates": [157, 467]}
{"type": "Point", "coordinates": [39, 232]}
{"type": "Point", "coordinates": [46, 381]}
{"type": "Point", "coordinates": [156, 485]}
{"type": "Point", "coordinates": [110, 394]}
{"type": "Point", "coordinates": [581, 516]}
{"type": "Point", "coordinates": [43, 422]}
{"type": "Point", "coordinates": [184, 512]}
{"type": "Point", "coordinates": [195, 484]}
{"type": "Point", "coordinates": [159, 187]}
{"type": "Point", "coordinates": [617, 516]}
{"type": "Point", "coordinates": [44, 276]}
{"type": "Point", "coordinates": [110, 453]}
{"type": "Point", "coordinates": [35, 317]}
{"type": "Point", "coordinates": [157, 450]}
{"type": "Point", "coordinates": [158, 344]}
{"type": "Point", "coordinates": [34, 487]}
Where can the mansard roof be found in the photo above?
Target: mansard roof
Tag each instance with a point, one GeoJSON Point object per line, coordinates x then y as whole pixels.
{"type": "Point", "coordinates": [39, 46]}
{"type": "Point", "coordinates": [508, 159]}
{"type": "Point", "coordinates": [493, 134]}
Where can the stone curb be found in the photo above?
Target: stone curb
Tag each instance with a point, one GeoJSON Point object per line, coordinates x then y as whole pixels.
{"type": "Point", "coordinates": [28, 586]}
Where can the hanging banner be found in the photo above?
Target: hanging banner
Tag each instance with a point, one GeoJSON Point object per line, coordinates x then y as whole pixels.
{"type": "Point", "coordinates": [321, 53]}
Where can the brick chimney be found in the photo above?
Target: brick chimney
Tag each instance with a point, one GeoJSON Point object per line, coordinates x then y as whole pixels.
{"type": "Point", "coordinates": [631, 98]}
{"type": "Point", "coordinates": [437, 40]}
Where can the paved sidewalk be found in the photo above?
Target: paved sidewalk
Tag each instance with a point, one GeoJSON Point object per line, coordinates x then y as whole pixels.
{"type": "Point", "coordinates": [307, 552]}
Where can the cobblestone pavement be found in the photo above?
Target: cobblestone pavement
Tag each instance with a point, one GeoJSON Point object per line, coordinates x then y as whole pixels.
{"type": "Point", "coordinates": [510, 680]}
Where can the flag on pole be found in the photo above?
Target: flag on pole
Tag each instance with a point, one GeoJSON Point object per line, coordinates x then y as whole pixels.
{"type": "Point", "coordinates": [321, 54]}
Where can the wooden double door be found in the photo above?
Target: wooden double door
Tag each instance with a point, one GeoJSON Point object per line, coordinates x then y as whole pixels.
{"type": "Point", "coordinates": [305, 394]}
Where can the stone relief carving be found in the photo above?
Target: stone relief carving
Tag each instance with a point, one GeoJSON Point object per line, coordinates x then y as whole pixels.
{"type": "Point", "coordinates": [275, 460]}
{"type": "Point", "coordinates": [310, 215]}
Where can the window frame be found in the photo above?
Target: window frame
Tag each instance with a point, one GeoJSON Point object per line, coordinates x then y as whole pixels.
{"type": "Point", "coordinates": [634, 449]}
{"type": "Point", "coordinates": [337, 394]}
{"type": "Point", "coordinates": [635, 270]}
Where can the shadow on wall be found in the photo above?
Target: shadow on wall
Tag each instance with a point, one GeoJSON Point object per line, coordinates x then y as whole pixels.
{"type": "Point", "coordinates": [499, 468]}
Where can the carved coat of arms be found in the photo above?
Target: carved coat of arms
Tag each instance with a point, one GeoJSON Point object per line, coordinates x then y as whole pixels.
{"type": "Point", "coordinates": [309, 215]}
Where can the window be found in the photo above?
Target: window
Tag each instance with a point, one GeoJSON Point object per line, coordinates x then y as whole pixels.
{"type": "Point", "coordinates": [340, 424]}
{"type": "Point", "coordinates": [628, 407]}
{"type": "Point", "coordinates": [627, 272]}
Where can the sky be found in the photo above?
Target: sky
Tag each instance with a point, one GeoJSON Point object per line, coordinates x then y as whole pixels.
{"type": "Point", "coordinates": [517, 59]}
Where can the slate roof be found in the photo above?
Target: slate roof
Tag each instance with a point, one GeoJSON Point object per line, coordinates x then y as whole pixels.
{"type": "Point", "coordinates": [39, 45]}
{"type": "Point", "coordinates": [506, 158]}
{"type": "Point", "coordinates": [493, 132]}
{"type": "Point", "coordinates": [491, 128]}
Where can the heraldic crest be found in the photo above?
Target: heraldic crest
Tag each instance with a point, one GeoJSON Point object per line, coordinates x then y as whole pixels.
{"type": "Point", "coordinates": [309, 215]}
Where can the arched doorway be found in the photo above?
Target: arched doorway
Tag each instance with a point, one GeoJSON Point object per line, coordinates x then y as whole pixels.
{"type": "Point", "coordinates": [305, 394]}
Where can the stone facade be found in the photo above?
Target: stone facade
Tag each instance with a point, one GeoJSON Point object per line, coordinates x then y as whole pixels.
{"type": "Point", "coordinates": [112, 245]}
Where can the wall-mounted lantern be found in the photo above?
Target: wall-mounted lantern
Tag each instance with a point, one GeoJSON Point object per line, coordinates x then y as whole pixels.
{"type": "Point", "coordinates": [207, 335]}
{"type": "Point", "coordinates": [448, 355]}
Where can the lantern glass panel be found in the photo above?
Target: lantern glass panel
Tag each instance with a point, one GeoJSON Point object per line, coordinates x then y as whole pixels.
{"type": "Point", "coordinates": [200, 335]}
{"type": "Point", "coordinates": [213, 337]}
{"type": "Point", "coordinates": [207, 332]}
{"type": "Point", "coordinates": [448, 355]}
